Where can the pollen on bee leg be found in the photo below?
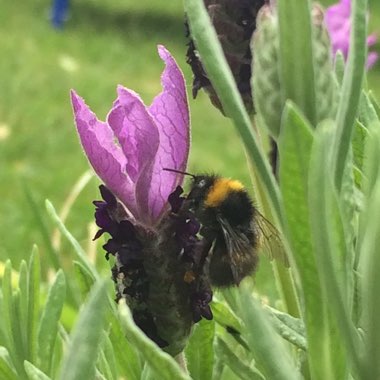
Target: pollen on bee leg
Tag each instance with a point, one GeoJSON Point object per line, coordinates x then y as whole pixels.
{"type": "Point", "coordinates": [189, 276]}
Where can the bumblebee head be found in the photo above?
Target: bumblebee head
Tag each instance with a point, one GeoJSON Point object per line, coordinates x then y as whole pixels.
{"type": "Point", "coordinates": [200, 187]}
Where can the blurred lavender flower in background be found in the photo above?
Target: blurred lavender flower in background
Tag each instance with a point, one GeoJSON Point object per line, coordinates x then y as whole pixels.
{"type": "Point", "coordinates": [338, 22]}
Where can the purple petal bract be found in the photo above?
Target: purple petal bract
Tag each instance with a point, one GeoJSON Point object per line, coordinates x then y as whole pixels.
{"type": "Point", "coordinates": [105, 156]}
{"type": "Point", "coordinates": [130, 150]}
{"type": "Point", "coordinates": [171, 114]}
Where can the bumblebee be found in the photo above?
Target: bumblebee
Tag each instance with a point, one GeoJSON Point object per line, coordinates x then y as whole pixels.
{"type": "Point", "coordinates": [232, 227]}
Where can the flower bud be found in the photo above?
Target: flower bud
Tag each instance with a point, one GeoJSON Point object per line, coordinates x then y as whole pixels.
{"type": "Point", "coordinates": [266, 80]}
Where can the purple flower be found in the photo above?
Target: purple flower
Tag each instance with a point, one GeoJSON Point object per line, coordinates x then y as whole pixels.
{"type": "Point", "coordinates": [130, 149]}
{"type": "Point", "coordinates": [200, 305]}
{"type": "Point", "coordinates": [338, 22]}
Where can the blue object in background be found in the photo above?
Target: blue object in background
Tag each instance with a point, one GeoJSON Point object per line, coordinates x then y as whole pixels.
{"type": "Point", "coordinates": [59, 12]}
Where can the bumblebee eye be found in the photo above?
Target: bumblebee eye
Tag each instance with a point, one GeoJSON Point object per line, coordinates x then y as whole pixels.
{"type": "Point", "coordinates": [202, 183]}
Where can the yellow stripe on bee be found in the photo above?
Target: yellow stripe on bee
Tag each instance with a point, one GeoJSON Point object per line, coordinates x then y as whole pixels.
{"type": "Point", "coordinates": [220, 190]}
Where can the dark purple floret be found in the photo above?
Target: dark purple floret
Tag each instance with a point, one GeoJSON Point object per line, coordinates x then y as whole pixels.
{"type": "Point", "coordinates": [175, 200]}
{"type": "Point", "coordinates": [104, 211]}
{"type": "Point", "coordinates": [200, 305]}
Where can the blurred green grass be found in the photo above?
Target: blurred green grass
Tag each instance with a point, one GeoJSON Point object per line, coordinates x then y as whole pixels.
{"type": "Point", "coordinates": [104, 43]}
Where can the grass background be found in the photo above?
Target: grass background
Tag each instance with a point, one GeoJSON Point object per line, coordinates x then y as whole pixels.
{"type": "Point", "coordinates": [104, 43]}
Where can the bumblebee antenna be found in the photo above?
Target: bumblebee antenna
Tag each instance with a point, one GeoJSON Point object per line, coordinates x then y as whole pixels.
{"type": "Point", "coordinates": [178, 171]}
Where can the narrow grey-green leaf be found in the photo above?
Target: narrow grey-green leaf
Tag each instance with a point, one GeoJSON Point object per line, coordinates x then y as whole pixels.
{"type": "Point", "coordinates": [33, 302]}
{"type": "Point", "coordinates": [286, 331]}
{"type": "Point", "coordinates": [200, 351]}
{"type": "Point", "coordinates": [340, 65]}
{"type": "Point", "coordinates": [84, 278]}
{"type": "Point", "coordinates": [104, 367]}
{"type": "Point", "coordinates": [330, 252]}
{"type": "Point", "coordinates": [224, 316]}
{"type": "Point", "coordinates": [23, 305]}
{"type": "Point", "coordinates": [296, 324]}
{"type": "Point", "coordinates": [41, 225]}
{"type": "Point", "coordinates": [7, 371]}
{"type": "Point", "coordinates": [374, 102]}
{"type": "Point", "coordinates": [351, 88]}
{"type": "Point", "coordinates": [84, 345]}
{"type": "Point", "coordinates": [297, 74]}
{"type": "Point", "coordinates": [370, 284]}
{"type": "Point", "coordinates": [368, 253]}
{"type": "Point", "coordinates": [109, 355]}
{"type": "Point", "coordinates": [7, 317]}
{"type": "Point", "coordinates": [269, 350]}
{"type": "Point", "coordinates": [222, 79]}
{"type": "Point", "coordinates": [127, 359]}
{"type": "Point", "coordinates": [161, 363]}
{"type": "Point", "coordinates": [48, 326]}
{"type": "Point", "coordinates": [242, 369]}
{"type": "Point", "coordinates": [367, 112]}
{"type": "Point", "coordinates": [81, 254]}
{"type": "Point", "coordinates": [358, 146]}
{"type": "Point", "coordinates": [295, 151]}
{"type": "Point", "coordinates": [34, 373]}
{"type": "Point", "coordinates": [16, 327]}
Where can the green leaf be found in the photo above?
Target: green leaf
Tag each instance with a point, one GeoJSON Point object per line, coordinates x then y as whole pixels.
{"type": "Point", "coordinates": [368, 254]}
{"type": "Point", "coordinates": [109, 355]}
{"type": "Point", "coordinates": [218, 71]}
{"type": "Point", "coordinates": [161, 363]}
{"type": "Point", "coordinates": [33, 302]}
{"type": "Point", "coordinates": [48, 326]}
{"type": "Point", "coordinates": [34, 373]}
{"type": "Point", "coordinates": [330, 252]}
{"type": "Point", "coordinates": [84, 345]}
{"type": "Point", "coordinates": [367, 112]}
{"type": "Point", "coordinates": [105, 367]}
{"type": "Point", "coordinates": [268, 349]}
{"type": "Point", "coordinates": [127, 359]}
{"type": "Point", "coordinates": [224, 316]}
{"type": "Point", "coordinates": [81, 254]}
{"type": "Point", "coordinates": [242, 369]}
{"type": "Point", "coordinates": [370, 284]}
{"type": "Point", "coordinates": [295, 150]}
{"type": "Point", "coordinates": [16, 327]}
{"type": "Point", "coordinates": [295, 324]}
{"type": "Point", "coordinates": [340, 65]}
{"type": "Point", "coordinates": [200, 352]}
{"type": "Point", "coordinates": [351, 88]}
{"type": "Point", "coordinates": [289, 328]}
{"type": "Point", "coordinates": [23, 305]}
{"type": "Point", "coordinates": [374, 102]}
{"type": "Point", "coordinates": [296, 56]}
{"type": "Point", "coordinates": [7, 371]}
{"type": "Point", "coordinates": [358, 145]}
{"type": "Point", "coordinates": [84, 277]}
{"type": "Point", "coordinates": [52, 254]}
{"type": "Point", "coordinates": [7, 304]}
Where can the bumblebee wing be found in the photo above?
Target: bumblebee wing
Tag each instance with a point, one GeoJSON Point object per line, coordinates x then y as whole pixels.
{"type": "Point", "coordinates": [270, 239]}
{"type": "Point", "coordinates": [238, 247]}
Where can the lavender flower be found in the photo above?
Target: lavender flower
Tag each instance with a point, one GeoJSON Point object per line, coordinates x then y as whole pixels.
{"type": "Point", "coordinates": [149, 138]}
{"type": "Point", "coordinates": [152, 237]}
{"type": "Point", "coordinates": [338, 22]}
